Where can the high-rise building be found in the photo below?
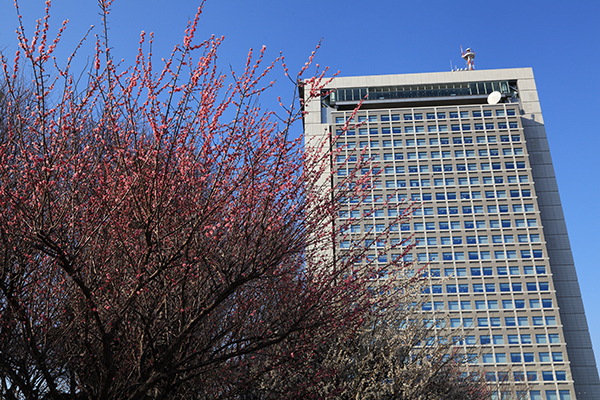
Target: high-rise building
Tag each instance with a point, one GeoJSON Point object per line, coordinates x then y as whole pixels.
{"type": "Point", "coordinates": [471, 147]}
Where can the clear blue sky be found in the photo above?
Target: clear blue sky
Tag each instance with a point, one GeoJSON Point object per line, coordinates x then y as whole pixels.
{"type": "Point", "coordinates": [558, 39]}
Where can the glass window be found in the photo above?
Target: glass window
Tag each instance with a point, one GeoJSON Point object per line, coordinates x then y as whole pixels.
{"type": "Point", "coordinates": [519, 303]}
{"type": "Point", "coordinates": [544, 357]}
{"type": "Point", "coordinates": [501, 358]}
{"type": "Point", "coordinates": [480, 305]}
{"type": "Point", "coordinates": [540, 269]}
{"type": "Point", "coordinates": [513, 339]}
{"type": "Point", "coordinates": [564, 394]}
{"type": "Point", "coordinates": [540, 339]}
{"type": "Point", "coordinates": [498, 339]}
{"type": "Point", "coordinates": [548, 376]}
{"type": "Point", "coordinates": [493, 304]}
{"type": "Point", "coordinates": [553, 338]}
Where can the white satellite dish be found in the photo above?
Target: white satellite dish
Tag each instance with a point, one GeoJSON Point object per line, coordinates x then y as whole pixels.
{"type": "Point", "coordinates": [494, 97]}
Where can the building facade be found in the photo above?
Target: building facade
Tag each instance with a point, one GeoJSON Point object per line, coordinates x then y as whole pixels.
{"type": "Point", "coordinates": [491, 223]}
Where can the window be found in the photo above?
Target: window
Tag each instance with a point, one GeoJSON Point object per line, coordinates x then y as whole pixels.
{"type": "Point", "coordinates": [557, 356]}
{"type": "Point", "coordinates": [522, 321]}
{"type": "Point", "coordinates": [519, 376]}
{"type": "Point", "coordinates": [487, 358]}
{"type": "Point", "coordinates": [515, 357]}
{"type": "Point", "coordinates": [519, 303]}
{"type": "Point", "coordinates": [510, 321]}
{"type": "Point", "coordinates": [564, 395]}
{"type": "Point", "coordinates": [506, 304]}
{"type": "Point", "coordinates": [534, 303]}
{"type": "Point", "coordinates": [501, 358]}
{"type": "Point", "coordinates": [480, 305]}
{"type": "Point", "coordinates": [513, 339]}
{"type": "Point", "coordinates": [553, 338]}
{"type": "Point", "coordinates": [498, 339]}
{"type": "Point", "coordinates": [526, 339]}
{"type": "Point", "coordinates": [547, 376]}
{"type": "Point", "coordinates": [540, 269]}
{"type": "Point", "coordinates": [544, 357]}
{"type": "Point", "coordinates": [493, 304]}
{"type": "Point", "coordinates": [528, 357]}
{"type": "Point", "coordinates": [540, 339]}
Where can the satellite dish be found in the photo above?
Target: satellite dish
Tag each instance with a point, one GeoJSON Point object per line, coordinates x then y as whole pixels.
{"type": "Point", "coordinates": [494, 97]}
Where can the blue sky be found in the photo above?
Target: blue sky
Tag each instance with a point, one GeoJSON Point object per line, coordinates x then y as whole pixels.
{"type": "Point", "coordinates": [558, 39]}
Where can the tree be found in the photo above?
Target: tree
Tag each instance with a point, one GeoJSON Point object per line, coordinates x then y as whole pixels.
{"type": "Point", "coordinates": [162, 236]}
{"type": "Point", "coordinates": [399, 352]}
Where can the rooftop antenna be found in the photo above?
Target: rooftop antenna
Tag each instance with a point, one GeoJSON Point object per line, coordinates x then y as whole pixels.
{"type": "Point", "coordinates": [468, 56]}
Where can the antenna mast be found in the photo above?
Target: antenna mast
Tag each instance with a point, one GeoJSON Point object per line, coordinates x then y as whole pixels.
{"type": "Point", "coordinates": [468, 57]}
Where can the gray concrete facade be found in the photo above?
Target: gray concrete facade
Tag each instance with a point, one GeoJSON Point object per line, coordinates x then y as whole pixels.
{"type": "Point", "coordinates": [491, 223]}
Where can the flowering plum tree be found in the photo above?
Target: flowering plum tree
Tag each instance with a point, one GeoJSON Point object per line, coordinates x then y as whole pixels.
{"type": "Point", "coordinates": [162, 236]}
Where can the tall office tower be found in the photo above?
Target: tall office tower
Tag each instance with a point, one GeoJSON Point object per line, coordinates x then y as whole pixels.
{"type": "Point", "coordinates": [471, 146]}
